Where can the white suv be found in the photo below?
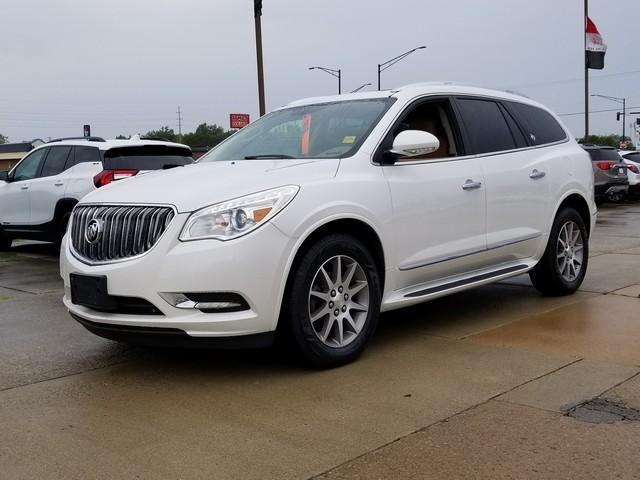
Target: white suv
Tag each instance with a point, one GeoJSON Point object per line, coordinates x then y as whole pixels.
{"type": "Point", "coordinates": [38, 194]}
{"type": "Point", "coordinates": [306, 224]}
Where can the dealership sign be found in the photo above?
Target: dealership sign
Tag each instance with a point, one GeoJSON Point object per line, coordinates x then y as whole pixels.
{"type": "Point", "coordinates": [239, 120]}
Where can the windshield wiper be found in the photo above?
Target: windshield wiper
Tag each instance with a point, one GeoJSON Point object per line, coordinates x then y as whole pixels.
{"type": "Point", "coordinates": [270, 155]}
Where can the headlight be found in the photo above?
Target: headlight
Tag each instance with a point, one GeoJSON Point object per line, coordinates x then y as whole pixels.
{"type": "Point", "coordinates": [237, 217]}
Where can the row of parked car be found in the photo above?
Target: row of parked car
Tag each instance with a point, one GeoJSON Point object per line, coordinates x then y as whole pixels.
{"type": "Point", "coordinates": [38, 195]}
{"type": "Point", "coordinates": [616, 173]}
{"type": "Point", "coordinates": [304, 226]}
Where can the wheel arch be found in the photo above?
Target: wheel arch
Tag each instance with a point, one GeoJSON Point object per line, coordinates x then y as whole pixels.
{"type": "Point", "coordinates": [63, 206]}
{"type": "Point", "coordinates": [579, 203]}
{"type": "Point", "coordinates": [358, 228]}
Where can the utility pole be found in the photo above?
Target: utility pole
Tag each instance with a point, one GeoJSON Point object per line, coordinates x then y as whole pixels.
{"type": "Point", "coordinates": [586, 73]}
{"type": "Point", "coordinates": [179, 123]}
{"type": "Point", "coordinates": [257, 13]}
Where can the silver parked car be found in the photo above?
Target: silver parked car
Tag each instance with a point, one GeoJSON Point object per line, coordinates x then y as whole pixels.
{"type": "Point", "coordinates": [609, 172]}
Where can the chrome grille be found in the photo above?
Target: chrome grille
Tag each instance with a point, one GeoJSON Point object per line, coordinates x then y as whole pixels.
{"type": "Point", "coordinates": [125, 231]}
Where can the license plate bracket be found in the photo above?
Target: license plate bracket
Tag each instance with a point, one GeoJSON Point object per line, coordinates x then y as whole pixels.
{"type": "Point", "coordinates": [91, 291]}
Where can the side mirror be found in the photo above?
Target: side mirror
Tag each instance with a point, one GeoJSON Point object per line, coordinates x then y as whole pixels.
{"type": "Point", "coordinates": [412, 143]}
{"type": "Point", "coordinates": [4, 176]}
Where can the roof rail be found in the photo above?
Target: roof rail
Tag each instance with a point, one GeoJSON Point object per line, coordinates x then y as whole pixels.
{"type": "Point", "coordinates": [88, 139]}
{"type": "Point", "coordinates": [459, 84]}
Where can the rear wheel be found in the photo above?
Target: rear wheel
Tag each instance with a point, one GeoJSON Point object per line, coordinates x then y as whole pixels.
{"type": "Point", "coordinates": [332, 305]}
{"type": "Point", "coordinates": [564, 264]}
{"type": "Point", "coordinates": [616, 197]}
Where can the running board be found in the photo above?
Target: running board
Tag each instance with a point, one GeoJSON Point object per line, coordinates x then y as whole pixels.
{"type": "Point", "coordinates": [466, 281]}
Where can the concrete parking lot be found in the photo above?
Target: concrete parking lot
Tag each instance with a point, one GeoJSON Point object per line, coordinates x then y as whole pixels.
{"type": "Point", "coordinates": [494, 383]}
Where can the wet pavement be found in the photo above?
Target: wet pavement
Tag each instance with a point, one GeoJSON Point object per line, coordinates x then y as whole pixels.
{"type": "Point", "coordinates": [492, 383]}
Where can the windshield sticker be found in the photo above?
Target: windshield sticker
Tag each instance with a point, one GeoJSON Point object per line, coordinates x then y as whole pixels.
{"type": "Point", "coordinates": [306, 134]}
{"type": "Point", "coordinates": [349, 139]}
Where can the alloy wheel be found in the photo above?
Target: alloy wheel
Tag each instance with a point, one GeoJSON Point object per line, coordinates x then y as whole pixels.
{"type": "Point", "coordinates": [570, 251]}
{"type": "Point", "coordinates": [339, 301]}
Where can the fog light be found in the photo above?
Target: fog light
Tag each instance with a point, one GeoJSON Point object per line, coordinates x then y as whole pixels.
{"type": "Point", "coordinates": [207, 302]}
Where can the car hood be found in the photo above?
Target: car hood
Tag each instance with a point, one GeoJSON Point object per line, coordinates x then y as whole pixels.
{"type": "Point", "coordinates": [196, 186]}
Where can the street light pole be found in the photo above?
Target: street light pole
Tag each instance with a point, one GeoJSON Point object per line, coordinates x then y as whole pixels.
{"type": "Point", "coordinates": [383, 66]}
{"type": "Point", "coordinates": [336, 73]}
{"type": "Point", "coordinates": [622, 101]}
{"type": "Point", "coordinates": [360, 88]}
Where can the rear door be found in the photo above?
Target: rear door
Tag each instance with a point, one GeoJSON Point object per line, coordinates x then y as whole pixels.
{"type": "Point", "coordinates": [517, 175]}
{"type": "Point", "coordinates": [49, 186]}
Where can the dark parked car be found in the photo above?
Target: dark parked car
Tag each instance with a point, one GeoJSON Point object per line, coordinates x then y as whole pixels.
{"type": "Point", "coordinates": [609, 172]}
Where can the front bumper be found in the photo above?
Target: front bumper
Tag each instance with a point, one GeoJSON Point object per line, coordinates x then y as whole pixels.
{"type": "Point", "coordinates": [253, 266]}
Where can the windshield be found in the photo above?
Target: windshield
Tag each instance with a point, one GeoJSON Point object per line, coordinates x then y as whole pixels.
{"type": "Point", "coordinates": [326, 130]}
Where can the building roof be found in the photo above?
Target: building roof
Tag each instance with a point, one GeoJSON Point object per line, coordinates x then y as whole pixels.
{"type": "Point", "coordinates": [16, 147]}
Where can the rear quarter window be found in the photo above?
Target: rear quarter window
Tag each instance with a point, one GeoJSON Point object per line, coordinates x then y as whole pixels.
{"type": "Point", "coordinates": [146, 157]}
{"type": "Point", "coordinates": [541, 127]}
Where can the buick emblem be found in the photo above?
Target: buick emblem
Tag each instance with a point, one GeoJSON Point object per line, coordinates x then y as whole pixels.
{"type": "Point", "coordinates": [94, 231]}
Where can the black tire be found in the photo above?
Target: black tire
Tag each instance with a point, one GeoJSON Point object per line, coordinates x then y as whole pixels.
{"type": "Point", "coordinates": [5, 243]}
{"type": "Point", "coordinates": [296, 328]}
{"type": "Point", "coordinates": [546, 276]}
{"type": "Point", "coordinates": [61, 227]}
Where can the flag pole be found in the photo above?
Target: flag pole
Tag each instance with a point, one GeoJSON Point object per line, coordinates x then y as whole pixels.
{"type": "Point", "coordinates": [586, 73]}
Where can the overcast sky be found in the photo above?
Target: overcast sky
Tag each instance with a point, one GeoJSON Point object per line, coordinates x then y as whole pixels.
{"type": "Point", "coordinates": [125, 66]}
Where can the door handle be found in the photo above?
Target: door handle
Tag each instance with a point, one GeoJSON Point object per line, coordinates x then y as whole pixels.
{"type": "Point", "coordinates": [536, 174]}
{"type": "Point", "coordinates": [59, 184]}
{"type": "Point", "coordinates": [471, 185]}
{"type": "Point", "coordinates": [24, 187]}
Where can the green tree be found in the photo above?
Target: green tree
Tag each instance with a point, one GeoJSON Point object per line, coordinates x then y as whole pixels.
{"type": "Point", "coordinates": [611, 140]}
{"type": "Point", "coordinates": [206, 136]}
{"type": "Point", "coordinates": [3, 139]}
{"type": "Point", "coordinates": [122, 137]}
{"type": "Point", "coordinates": [165, 132]}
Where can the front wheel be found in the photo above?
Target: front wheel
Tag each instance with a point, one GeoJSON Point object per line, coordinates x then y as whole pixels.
{"type": "Point", "coordinates": [5, 243]}
{"type": "Point", "coordinates": [563, 266]}
{"type": "Point", "coordinates": [333, 301]}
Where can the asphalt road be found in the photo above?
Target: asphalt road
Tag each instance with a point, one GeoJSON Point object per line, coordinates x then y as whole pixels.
{"type": "Point", "coordinates": [498, 382]}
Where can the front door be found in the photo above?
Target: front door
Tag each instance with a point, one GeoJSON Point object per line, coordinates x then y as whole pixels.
{"type": "Point", "coordinates": [438, 201]}
{"type": "Point", "coordinates": [15, 198]}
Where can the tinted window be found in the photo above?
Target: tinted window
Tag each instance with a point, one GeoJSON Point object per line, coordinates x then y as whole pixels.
{"type": "Point", "coordinates": [83, 155]}
{"type": "Point", "coordinates": [540, 125]}
{"type": "Point", "coordinates": [55, 161]}
{"type": "Point", "coordinates": [634, 157]}
{"type": "Point", "coordinates": [518, 136]}
{"type": "Point", "coordinates": [147, 157]}
{"type": "Point", "coordinates": [598, 154]}
{"type": "Point", "coordinates": [29, 167]}
{"type": "Point", "coordinates": [486, 126]}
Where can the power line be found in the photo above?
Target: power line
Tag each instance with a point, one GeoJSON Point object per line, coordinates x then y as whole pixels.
{"type": "Point", "coordinates": [593, 111]}
{"type": "Point", "coordinates": [573, 80]}
{"type": "Point", "coordinates": [179, 123]}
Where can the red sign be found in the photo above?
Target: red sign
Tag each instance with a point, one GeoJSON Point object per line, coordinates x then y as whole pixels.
{"type": "Point", "coordinates": [239, 120]}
